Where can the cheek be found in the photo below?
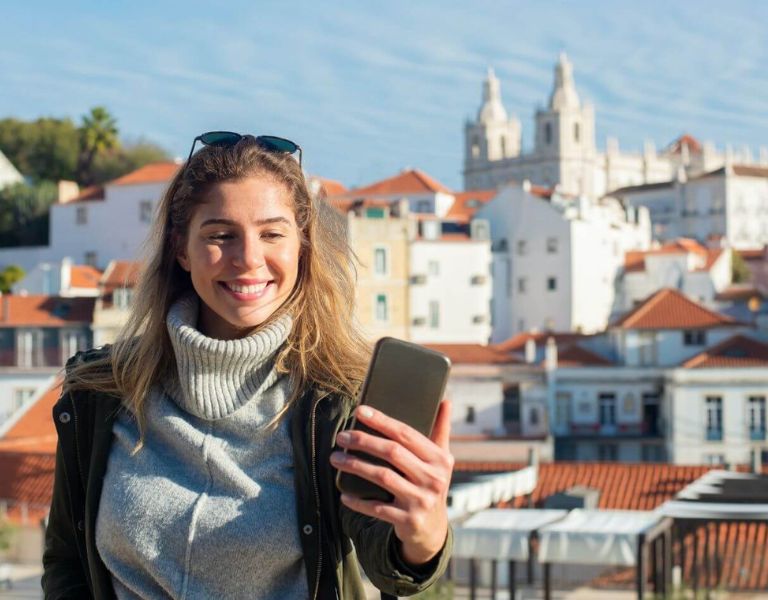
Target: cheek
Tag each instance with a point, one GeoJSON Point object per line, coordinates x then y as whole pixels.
{"type": "Point", "coordinates": [206, 258]}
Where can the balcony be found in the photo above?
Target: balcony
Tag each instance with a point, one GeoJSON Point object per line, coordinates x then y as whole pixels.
{"type": "Point", "coordinates": [618, 430]}
{"type": "Point", "coordinates": [418, 279]}
{"type": "Point", "coordinates": [757, 435]}
{"type": "Point", "coordinates": [714, 435]}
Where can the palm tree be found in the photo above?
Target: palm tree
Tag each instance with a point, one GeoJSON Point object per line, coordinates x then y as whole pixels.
{"type": "Point", "coordinates": [98, 133]}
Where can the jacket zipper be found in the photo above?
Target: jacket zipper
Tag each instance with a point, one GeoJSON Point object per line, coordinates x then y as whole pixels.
{"type": "Point", "coordinates": [317, 500]}
{"type": "Point", "coordinates": [77, 451]}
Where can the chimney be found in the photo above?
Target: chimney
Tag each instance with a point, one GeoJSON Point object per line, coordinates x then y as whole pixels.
{"type": "Point", "coordinates": [67, 191]}
{"type": "Point", "coordinates": [550, 354]}
{"type": "Point", "coordinates": [756, 461]}
{"type": "Point", "coordinates": [530, 351]}
{"type": "Point", "coordinates": [65, 281]}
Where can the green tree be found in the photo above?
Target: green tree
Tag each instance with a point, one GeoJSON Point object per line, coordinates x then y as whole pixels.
{"type": "Point", "coordinates": [24, 212]}
{"type": "Point", "coordinates": [8, 276]}
{"type": "Point", "coordinates": [46, 148]}
{"type": "Point", "coordinates": [129, 157]}
{"type": "Point", "coordinates": [98, 134]}
{"type": "Point", "coordinates": [740, 272]}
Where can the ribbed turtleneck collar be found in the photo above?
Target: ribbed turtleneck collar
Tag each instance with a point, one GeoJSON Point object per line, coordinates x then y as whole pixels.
{"type": "Point", "coordinates": [217, 377]}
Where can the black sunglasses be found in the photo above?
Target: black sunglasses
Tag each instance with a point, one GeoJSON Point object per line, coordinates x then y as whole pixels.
{"type": "Point", "coordinates": [225, 139]}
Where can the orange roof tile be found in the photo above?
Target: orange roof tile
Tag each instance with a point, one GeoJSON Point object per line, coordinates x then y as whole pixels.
{"type": "Point", "coordinates": [331, 186]}
{"type": "Point", "coordinates": [93, 192]}
{"type": "Point", "coordinates": [517, 343]}
{"type": "Point", "coordinates": [28, 479]}
{"type": "Point", "coordinates": [411, 181]}
{"type": "Point", "coordinates": [121, 273]}
{"type": "Point", "coordinates": [634, 261]}
{"type": "Point", "coordinates": [467, 203]}
{"type": "Point", "coordinates": [159, 172]}
{"type": "Point", "coordinates": [576, 356]}
{"type": "Point", "coordinates": [670, 309]}
{"type": "Point", "coordinates": [44, 311]}
{"type": "Point", "coordinates": [84, 276]}
{"type": "Point", "coordinates": [737, 351]}
{"type": "Point", "coordinates": [694, 146]}
{"type": "Point", "coordinates": [34, 432]}
{"type": "Point", "coordinates": [473, 354]}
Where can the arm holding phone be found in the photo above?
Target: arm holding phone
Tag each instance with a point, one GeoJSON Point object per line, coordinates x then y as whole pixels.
{"type": "Point", "coordinates": [418, 511]}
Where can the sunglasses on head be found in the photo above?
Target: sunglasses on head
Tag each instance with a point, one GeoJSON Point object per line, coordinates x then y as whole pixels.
{"type": "Point", "coordinates": [225, 139]}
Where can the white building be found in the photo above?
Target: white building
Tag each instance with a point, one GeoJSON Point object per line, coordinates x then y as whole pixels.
{"type": "Point", "coordinates": [683, 264]}
{"type": "Point", "coordinates": [99, 224]}
{"type": "Point", "coordinates": [450, 285]}
{"type": "Point", "coordinates": [113, 306]}
{"type": "Point", "coordinates": [564, 149]}
{"type": "Point", "coordinates": [557, 258]}
{"type": "Point", "coordinates": [60, 279]}
{"type": "Point", "coordinates": [730, 202]}
{"type": "Point", "coordinates": [8, 173]}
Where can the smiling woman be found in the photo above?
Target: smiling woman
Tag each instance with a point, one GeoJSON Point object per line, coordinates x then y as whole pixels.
{"type": "Point", "coordinates": [195, 456]}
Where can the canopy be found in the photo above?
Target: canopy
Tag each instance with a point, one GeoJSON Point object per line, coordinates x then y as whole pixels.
{"type": "Point", "coordinates": [605, 537]}
{"type": "Point", "coordinates": [487, 490]}
{"type": "Point", "coordinates": [722, 511]}
{"type": "Point", "coordinates": [500, 533]}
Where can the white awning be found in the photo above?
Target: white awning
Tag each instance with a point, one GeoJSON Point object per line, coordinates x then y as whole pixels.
{"type": "Point", "coordinates": [500, 533]}
{"type": "Point", "coordinates": [680, 509]}
{"type": "Point", "coordinates": [604, 537]}
{"type": "Point", "coordinates": [487, 490]}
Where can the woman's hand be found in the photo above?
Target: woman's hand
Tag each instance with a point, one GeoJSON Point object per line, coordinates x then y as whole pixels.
{"type": "Point", "coordinates": [418, 511]}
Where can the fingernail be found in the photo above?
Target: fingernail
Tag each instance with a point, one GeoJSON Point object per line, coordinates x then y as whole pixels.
{"type": "Point", "coordinates": [366, 412]}
{"type": "Point", "coordinates": [342, 437]}
{"type": "Point", "coordinates": [338, 457]}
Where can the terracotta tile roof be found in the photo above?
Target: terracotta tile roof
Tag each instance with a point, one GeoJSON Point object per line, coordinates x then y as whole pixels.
{"type": "Point", "coordinates": [634, 260]}
{"type": "Point", "coordinates": [517, 342]}
{"type": "Point", "coordinates": [159, 172]}
{"type": "Point", "coordinates": [670, 309]}
{"type": "Point", "coordinates": [473, 354]}
{"type": "Point", "coordinates": [576, 356]}
{"type": "Point", "coordinates": [676, 147]}
{"type": "Point", "coordinates": [411, 181]}
{"type": "Point", "coordinates": [466, 204]}
{"type": "Point", "coordinates": [121, 273]}
{"type": "Point", "coordinates": [34, 432]}
{"type": "Point", "coordinates": [26, 479]}
{"type": "Point", "coordinates": [84, 276]}
{"type": "Point", "coordinates": [44, 311]}
{"type": "Point", "coordinates": [752, 253]}
{"type": "Point", "coordinates": [713, 255]}
{"type": "Point", "coordinates": [736, 352]}
{"type": "Point", "coordinates": [344, 204]}
{"type": "Point", "coordinates": [331, 186]}
{"type": "Point", "coordinates": [93, 192]}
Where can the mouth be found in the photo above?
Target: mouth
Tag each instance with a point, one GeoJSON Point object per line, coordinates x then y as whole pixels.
{"type": "Point", "coordinates": [251, 291]}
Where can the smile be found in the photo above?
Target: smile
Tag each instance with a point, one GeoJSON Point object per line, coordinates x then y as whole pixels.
{"type": "Point", "coordinates": [246, 292]}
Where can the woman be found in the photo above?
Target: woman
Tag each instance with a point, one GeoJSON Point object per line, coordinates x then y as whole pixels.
{"type": "Point", "coordinates": [196, 456]}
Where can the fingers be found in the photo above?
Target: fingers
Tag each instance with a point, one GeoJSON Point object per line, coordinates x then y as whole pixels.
{"type": "Point", "coordinates": [382, 475]}
{"type": "Point", "coordinates": [420, 445]}
{"type": "Point", "coordinates": [381, 510]}
{"type": "Point", "coordinates": [441, 432]}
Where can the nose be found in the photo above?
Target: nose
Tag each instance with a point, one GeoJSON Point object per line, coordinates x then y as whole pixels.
{"type": "Point", "coordinates": [250, 255]}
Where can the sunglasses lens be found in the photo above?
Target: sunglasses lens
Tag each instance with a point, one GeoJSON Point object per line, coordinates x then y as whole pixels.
{"type": "Point", "coordinates": [276, 144]}
{"type": "Point", "coordinates": [220, 138]}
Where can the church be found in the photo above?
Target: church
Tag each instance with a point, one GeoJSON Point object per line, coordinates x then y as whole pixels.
{"type": "Point", "coordinates": [564, 151]}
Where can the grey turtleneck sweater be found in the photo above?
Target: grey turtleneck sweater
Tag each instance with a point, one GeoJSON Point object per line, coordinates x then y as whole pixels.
{"type": "Point", "coordinates": [206, 509]}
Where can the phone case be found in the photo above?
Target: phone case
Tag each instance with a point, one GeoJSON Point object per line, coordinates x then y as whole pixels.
{"type": "Point", "coordinates": [406, 382]}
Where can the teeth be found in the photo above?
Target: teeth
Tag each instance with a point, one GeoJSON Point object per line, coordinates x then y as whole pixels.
{"type": "Point", "coordinates": [247, 289]}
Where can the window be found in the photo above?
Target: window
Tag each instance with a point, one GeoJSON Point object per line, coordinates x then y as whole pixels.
{"type": "Point", "coordinates": [522, 247]}
{"type": "Point", "coordinates": [548, 133]}
{"type": "Point", "coordinates": [26, 348]}
{"type": "Point", "coordinates": [475, 147]}
{"type": "Point", "coordinates": [123, 297]}
{"type": "Point", "coordinates": [423, 206]}
{"type": "Point", "coordinates": [382, 311]}
{"type": "Point", "coordinates": [522, 284]}
{"type": "Point", "coordinates": [71, 342]}
{"type": "Point", "coordinates": [695, 337]}
{"type": "Point", "coordinates": [81, 215]}
{"type": "Point", "coordinates": [552, 245]}
{"type": "Point", "coordinates": [756, 417]}
{"type": "Point", "coordinates": [90, 258]}
{"type": "Point", "coordinates": [434, 314]}
{"type": "Point", "coordinates": [433, 267]}
{"type": "Point", "coordinates": [714, 459]}
{"type": "Point", "coordinates": [714, 407]}
{"type": "Point", "coordinates": [551, 284]}
{"type": "Point", "coordinates": [607, 403]}
{"type": "Point", "coordinates": [576, 132]}
{"type": "Point", "coordinates": [145, 211]}
{"type": "Point", "coordinates": [510, 408]}
{"type": "Point", "coordinates": [651, 453]}
{"type": "Point", "coordinates": [470, 416]}
{"type": "Point", "coordinates": [562, 409]}
{"type": "Point", "coordinates": [607, 452]}
{"type": "Point", "coordinates": [646, 341]}
{"type": "Point", "coordinates": [533, 416]}
{"type": "Point", "coordinates": [380, 261]}
{"type": "Point", "coordinates": [20, 397]}
{"type": "Point", "coordinates": [503, 147]}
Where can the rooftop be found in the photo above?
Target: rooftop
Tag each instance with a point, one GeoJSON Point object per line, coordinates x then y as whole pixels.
{"type": "Point", "coordinates": [738, 351]}
{"type": "Point", "coordinates": [44, 311]}
{"type": "Point", "coordinates": [159, 172]}
{"type": "Point", "coordinates": [670, 309]}
{"type": "Point", "coordinates": [409, 181]}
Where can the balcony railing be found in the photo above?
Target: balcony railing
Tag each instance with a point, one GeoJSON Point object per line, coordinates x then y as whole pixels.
{"type": "Point", "coordinates": [757, 435]}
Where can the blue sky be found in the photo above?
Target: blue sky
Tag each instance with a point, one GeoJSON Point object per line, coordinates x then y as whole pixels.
{"type": "Point", "coordinates": [368, 88]}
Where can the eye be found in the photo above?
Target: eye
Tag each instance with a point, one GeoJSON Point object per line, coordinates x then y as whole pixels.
{"type": "Point", "coordinates": [272, 235]}
{"type": "Point", "coordinates": [220, 236]}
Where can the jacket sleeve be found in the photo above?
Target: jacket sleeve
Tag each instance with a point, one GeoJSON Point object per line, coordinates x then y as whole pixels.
{"type": "Point", "coordinates": [63, 575]}
{"type": "Point", "coordinates": [377, 550]}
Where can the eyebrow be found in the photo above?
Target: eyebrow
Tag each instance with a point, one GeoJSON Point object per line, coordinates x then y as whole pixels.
{"type": "Point", "coordinates": [230, 222]}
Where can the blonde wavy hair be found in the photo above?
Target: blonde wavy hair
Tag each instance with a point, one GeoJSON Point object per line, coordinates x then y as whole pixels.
{"type": "Point", "coordinates": [324, 349]}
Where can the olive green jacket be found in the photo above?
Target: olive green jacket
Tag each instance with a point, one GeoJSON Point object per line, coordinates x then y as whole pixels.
{"type": "Point", "coordinates": [328, 529]}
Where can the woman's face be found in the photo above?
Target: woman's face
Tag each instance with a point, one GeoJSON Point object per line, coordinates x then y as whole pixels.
{"type": "Point", "coordinates": [242, 253]}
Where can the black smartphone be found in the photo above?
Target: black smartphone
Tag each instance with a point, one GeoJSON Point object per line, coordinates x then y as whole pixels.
{"type": "Point", "coordinates": [406, 382]}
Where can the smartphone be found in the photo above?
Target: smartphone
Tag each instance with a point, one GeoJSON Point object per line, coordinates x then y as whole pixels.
{"type": "Point", "coordinates": [406, 382]}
